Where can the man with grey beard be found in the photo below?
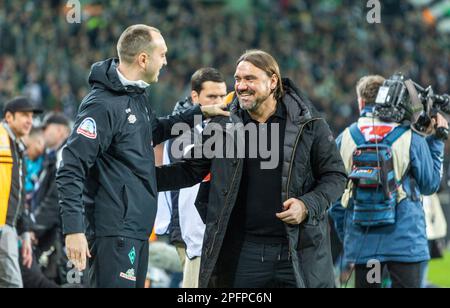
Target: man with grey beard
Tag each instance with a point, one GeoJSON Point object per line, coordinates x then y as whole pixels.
{"type": "Point", "coordinates": [266, 227]}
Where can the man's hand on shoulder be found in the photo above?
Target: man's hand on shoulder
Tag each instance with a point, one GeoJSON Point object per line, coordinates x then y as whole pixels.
{"type": "Point", "coordinates": [215, 110]}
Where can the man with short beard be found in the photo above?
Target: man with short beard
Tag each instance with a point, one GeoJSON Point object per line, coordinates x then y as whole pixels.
{"type": "Point", "coordinates": [267, 227]}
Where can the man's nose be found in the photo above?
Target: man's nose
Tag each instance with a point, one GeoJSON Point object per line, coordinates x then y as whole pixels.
{"type": "Point", "coordinates": [241, 85]}
{"type": "Point", "coordinates": [219, 100]}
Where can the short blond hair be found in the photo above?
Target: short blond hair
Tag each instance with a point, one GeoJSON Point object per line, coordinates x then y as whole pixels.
{"type": "Point", "coordinates": [368, 86]}
{"type": "Point", "coordinates": [134, 40]}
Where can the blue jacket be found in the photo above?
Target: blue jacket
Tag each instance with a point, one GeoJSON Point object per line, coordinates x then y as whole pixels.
{"type": "Point", "coordinates": [406, 240]}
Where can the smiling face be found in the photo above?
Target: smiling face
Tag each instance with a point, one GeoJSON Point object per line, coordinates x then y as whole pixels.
{"type": "Point", "coordinates": [142, 53]}
{"type": "Point", "coordinates": [253, 86]}
{"type": "Point", "coordinates": [20, 122]}
{"type": "Point", "coordinates": [154, 60]}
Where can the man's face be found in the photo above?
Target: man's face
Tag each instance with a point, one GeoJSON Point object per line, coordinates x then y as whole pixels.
{"type": "Point", "coordinates": [54, 135]}
{"type": "Point", "coordinates": [253, 87]}
{"type": "Point", "coordinates": [20, 122]}
{"type": "Point", "coordinates": [156, 59]}
{"type": "Point", "coordinates": [35, 146]}
{"type": "Point", "coordinates": [212, 93]}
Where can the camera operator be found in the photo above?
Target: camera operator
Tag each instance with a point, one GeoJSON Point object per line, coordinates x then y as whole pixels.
{"type": "Point", "coordinates": [393, 230]}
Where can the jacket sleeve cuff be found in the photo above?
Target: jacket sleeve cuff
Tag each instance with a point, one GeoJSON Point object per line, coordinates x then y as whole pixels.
{"type": "Point", "coordinates": [73, 224]}
{"type": "Point", "coordinates": [311, 218]}
{"type": "Point", "coordinates": [190, 115]}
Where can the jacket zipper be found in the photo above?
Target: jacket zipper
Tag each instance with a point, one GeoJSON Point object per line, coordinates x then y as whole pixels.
{"type": "Point", "coordinates": [221, 213]}
{"type": "Point", "coordinates": [20, 163]}
{"type": "Point", "coordinates": [290, 174]}
{"type": "Point", "coordinates": [293, 154]}
{"type": "Point", "coordinates": [143, 107]}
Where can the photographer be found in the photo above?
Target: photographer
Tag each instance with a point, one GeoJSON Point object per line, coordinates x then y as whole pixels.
{"type": "Point", "coordinates": [380, 216]}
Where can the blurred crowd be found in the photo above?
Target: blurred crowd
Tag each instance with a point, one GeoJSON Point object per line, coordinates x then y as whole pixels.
{"type": "Point", "coordinates": [325, 46]}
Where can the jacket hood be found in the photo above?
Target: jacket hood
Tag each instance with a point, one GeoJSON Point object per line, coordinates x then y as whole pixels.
{"type": "Point", "coordinates": [306, 108]}
{"type": "Point", "coordinates": [182, 106]}
{"type": "Point", "coordinates": [104, 75]}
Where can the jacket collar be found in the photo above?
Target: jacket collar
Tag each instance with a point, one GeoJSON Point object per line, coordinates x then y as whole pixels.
{"type": "Point", "coordinates": [20, 145]}
{"type": "Point", "coordinates": [300, 109]}
{"type": "Point", "coordinates": [105, 75]}
{"type": "Point", "coordinates": [125, 82]}
{"type": "Point", "coordinates": [367, 112]}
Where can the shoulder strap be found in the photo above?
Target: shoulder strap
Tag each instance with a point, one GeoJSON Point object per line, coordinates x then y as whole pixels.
{"type": "Point", "coordinates": [395, 134]}
{"type": "Point", "coordinates": [357, 136]}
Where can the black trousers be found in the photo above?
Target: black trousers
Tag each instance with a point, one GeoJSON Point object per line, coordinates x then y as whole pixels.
{"type": "Point", "coordinates": [34, 278]}
{"type": "Point", "coordinates": [118, 262]}
{"type": "Point", "coordinates": [403, 275]}
{"type": "Point", "coordinates": [256, 265]}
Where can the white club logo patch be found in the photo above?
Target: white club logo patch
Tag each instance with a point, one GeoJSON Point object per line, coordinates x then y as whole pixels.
{"type": "Point", "coordinates": [88, 128]}
{"type": "Point", "coordinates": [132, 119]}
{"type": "Point", "coordinates": [129, 275]}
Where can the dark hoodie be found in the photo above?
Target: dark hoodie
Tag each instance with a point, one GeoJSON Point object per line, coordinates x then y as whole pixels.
{"type": "Point", "coordinates": [108, 170]}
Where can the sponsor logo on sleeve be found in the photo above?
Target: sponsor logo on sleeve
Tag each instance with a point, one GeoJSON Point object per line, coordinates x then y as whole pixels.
{"type": "Point", "coordinates": [88, 128]}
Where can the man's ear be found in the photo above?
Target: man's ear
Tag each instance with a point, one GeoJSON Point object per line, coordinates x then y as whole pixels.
{"type": "Point", "coordinates": [274, 82]}
{"type": "Point", "coordinates": [9, 116]}
{"type": "Point", "coordinates": [361, 103]}
{"type": "Point", "coordinates": [143, 60]}
{"type": "Point", "coordinates": [194, 97]}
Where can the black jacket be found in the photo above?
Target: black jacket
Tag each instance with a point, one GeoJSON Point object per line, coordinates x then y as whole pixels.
{"type": "Point", "coordinates": [17, 215]}
{"type": "Point", "coordinates": [46, 215]}
{"type": "Point", "coordinates": [313, 172]}
{"type": "Point", "coordinates": [176, 237]}
{"type": "Point", "coordinates": [108, 165]}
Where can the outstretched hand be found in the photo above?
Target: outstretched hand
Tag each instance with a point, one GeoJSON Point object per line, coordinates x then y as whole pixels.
{"type": "Point", "coordinates": [215, 110]}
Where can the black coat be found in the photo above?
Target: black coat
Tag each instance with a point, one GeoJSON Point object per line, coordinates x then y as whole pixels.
{"type": "Point", "coordinates": [108, 165]}
{"type": "Point", "coordinates": [46, 197]}
{"type": "Point", "coordinates": [313, 172]}
{"type": "Point", "coordinates": [17, 215]}
{"type": "Point", "coordinates": [176, 237]}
